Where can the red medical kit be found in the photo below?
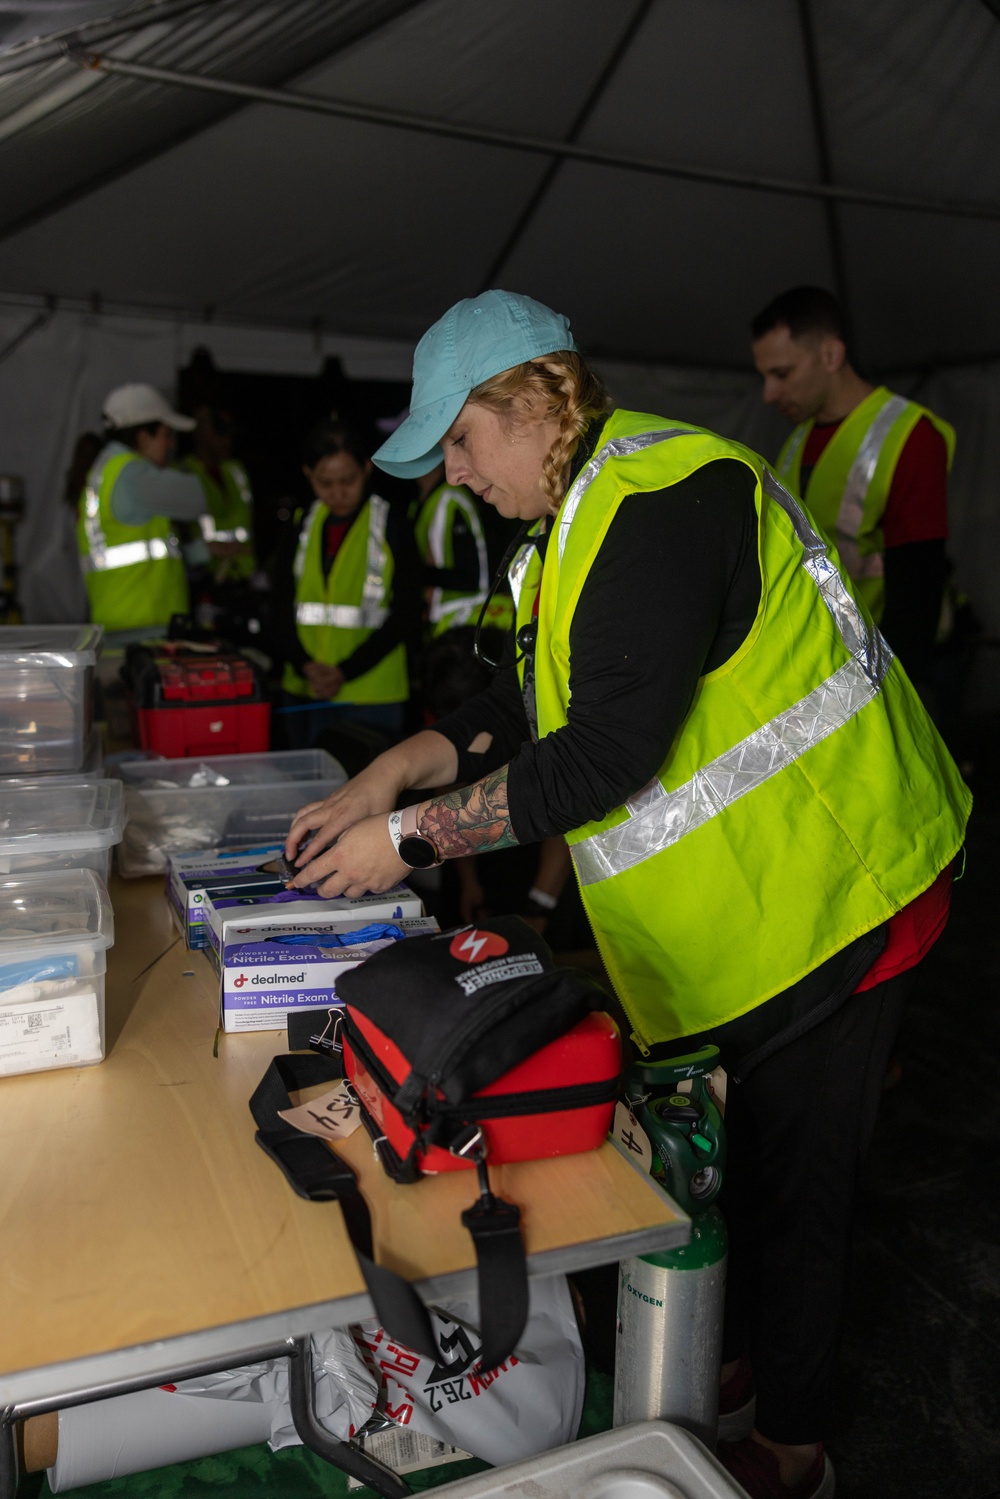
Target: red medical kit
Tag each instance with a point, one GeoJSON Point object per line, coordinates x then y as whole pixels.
{"type": "Point", "coordinates": [468, 1048]}
{"type": "Point", "coordinates": [190, 701]}
{"type": "Point", "coordinates": [558, 1101]}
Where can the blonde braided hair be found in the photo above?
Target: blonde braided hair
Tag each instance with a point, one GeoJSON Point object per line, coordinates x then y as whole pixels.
{"type": "Point", "coordinates": [558, 386]}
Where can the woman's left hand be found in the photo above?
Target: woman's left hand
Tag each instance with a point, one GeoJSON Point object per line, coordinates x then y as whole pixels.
{"type": "Point", "coordinates": [363, 859]}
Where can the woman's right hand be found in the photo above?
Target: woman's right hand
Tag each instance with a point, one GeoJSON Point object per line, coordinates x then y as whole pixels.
{"type": "Point", "coordinates": [374, 790]}
{"type": "Point", "coordinates": [425, 759]}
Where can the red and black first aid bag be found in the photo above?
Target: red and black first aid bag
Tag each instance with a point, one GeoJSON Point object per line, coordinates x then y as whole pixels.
{"type": "Point", "coordinates": [464, 1049]}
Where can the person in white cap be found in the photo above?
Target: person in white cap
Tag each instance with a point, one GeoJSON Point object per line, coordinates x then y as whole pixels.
{"type": "Point", "coordinates": [761, 815]}
{"type": "Point", "coordinates": [132, 561]}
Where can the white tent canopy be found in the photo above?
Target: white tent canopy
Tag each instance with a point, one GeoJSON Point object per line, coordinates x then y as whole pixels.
{"type": "Point", "coordinates": [657, 169]}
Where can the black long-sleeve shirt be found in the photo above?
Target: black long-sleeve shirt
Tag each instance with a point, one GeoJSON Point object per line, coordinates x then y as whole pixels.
{"type": "Point", "coordinates": [404, 602]}
{"type": "Point", "coordinates": [672, 593]}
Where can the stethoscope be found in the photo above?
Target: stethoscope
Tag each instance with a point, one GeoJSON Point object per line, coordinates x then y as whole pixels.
{"type": "Point", "coordinates": [527, 634]}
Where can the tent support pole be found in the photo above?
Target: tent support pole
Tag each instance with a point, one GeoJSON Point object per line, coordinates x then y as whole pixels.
{"type": "Point", "coordinates": [552, 170]}
{"type": "Point", "coordinates": [825, 166]}
{"type": "Point", "coordinates": [535, 145]}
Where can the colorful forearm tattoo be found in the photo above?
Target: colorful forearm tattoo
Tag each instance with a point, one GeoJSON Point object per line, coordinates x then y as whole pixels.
{"type": "Point", "coordinates": [473, 820]}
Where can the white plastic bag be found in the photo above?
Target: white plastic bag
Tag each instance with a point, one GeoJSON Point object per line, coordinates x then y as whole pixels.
{"type": "Point", "coordinates": [531, 1403]}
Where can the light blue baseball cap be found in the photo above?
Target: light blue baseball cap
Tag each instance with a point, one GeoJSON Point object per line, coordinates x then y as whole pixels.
{"type": "Point", "coordinates": [476, 339]}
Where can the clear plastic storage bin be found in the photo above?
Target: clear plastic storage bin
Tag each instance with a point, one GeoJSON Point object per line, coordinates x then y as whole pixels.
{"type": "Point", "coordinates": [651, 1460]}
{"type": "Point", "coordinates": [223, 801]}
{"type": "Point", "coordinates": [92, 768]}
{"type": "Point", "coordinates": [55, 929]}
{"type": "Point", "coordinates": [59, 824]}
{"type": "Point", "coordinates": [46, 696]}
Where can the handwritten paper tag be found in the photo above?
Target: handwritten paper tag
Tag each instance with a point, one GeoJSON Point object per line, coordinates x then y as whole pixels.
{"type": "Point", "coordinates": [632, 1137]}
{"type": "Point", "coordinates": [332, 1116]}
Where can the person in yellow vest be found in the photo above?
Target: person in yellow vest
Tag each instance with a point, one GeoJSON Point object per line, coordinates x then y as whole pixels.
{"type": "Point", "coordinates": [871, 466]}
{"type": "Point", "coordinates": [226, 522]}
{"type": "Point", "coordinates": [449, 536]}
{"type": "Point", "coordinates": [132, 561]}
{"type": "Point", "coordinates": [348, 604]}
{"type": "Point", "coordinates": [693, 690]}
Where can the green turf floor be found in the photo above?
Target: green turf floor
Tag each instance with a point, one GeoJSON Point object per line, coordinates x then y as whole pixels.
{"type": "Point", "coordinates": [295, 1473]}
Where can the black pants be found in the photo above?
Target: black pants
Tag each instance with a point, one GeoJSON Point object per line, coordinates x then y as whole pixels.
{"type": "Point", "coordinates": [797, 1131]}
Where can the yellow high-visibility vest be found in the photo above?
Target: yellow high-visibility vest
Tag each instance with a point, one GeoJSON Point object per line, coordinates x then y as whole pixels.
{"type": "Point", "coordinates": [134, 575]}
{"type": "Point", "coordinates": [228, 514]}
{"type": "Point", "coordinates": [335, 614]}
{"type": "Point", "coordinates": [807, 796]}
{"type": "Point", "coordinates": [848, 489]}
{"type": "Point", "coordinates": [433, 531]}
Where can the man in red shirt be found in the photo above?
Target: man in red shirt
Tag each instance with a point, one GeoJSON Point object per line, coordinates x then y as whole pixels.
{"type": "Point", "coordinates": [871, 466]}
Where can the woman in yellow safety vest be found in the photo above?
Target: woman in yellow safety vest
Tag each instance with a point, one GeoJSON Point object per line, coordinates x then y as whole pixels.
{"type": "Point", "coordinates": [353, 604]}
{"type": "Point", "coordinates": [761, 815]}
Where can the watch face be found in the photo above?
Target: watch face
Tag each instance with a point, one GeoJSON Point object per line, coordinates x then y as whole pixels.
{"type": "Point", "coordinates": [419, 853]}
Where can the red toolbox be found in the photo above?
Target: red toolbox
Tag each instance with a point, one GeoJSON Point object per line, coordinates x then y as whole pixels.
{"type": "Point", "coordinates": [197, 701]}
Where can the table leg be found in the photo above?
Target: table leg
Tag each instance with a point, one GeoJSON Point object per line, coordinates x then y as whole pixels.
{"type": "Point", "coordinates": [341, 1454]}
{"type": "Point", "coordinates": [8, 1456]}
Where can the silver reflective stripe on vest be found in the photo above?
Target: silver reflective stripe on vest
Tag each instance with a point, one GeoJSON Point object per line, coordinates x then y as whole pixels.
{"type": "Point", "coordinates": [460, 610]}
{"type": "Point", "coordinates": [373, 593]}
{"type": "Point", "coordinates": [344, 616]}
{"type": "Point", "coordinates": [371, 613]}
{"type": "Point", "coordinates": [210, 532]}
{"type": "Point", "coordinates": [517, 570]}
{"type": "Point", "coordinates": [299, 565]}
{"type": "Point", "coordinates": [128, 553]}
{"type": "Point", "coordinates": [851, 515]}
{"type": "Point", "coordinates": [238, 474]}
{"type": "Point", "coordinates": [102, 558]}
{"type": "Point", "coordinates": [659, 818]}
{"type": "Point", "coordinates": [92, 527]}
{"type": "Point", "coordinates": [795, 442]}
{"type": "Point", "coordinates": [618, 447]}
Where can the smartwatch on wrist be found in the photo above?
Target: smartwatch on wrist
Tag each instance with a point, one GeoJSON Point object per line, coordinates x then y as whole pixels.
{"type": "Point", "coordinates": [411, 845]}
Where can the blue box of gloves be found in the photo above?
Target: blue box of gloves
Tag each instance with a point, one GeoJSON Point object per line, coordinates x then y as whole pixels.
{"type": "Point", "coordinates": [267, 971]}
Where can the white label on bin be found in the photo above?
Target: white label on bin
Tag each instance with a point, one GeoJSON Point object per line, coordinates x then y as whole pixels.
{"type": "Point", "coordinates": [64, 1031]}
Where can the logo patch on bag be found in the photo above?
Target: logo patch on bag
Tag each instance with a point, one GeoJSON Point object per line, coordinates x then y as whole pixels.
{"type": "Point", "coordinates": [472, 945]}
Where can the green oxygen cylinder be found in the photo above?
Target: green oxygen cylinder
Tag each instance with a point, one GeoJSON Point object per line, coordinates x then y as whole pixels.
{"type": "Point", "coordinates": [670, 1304]}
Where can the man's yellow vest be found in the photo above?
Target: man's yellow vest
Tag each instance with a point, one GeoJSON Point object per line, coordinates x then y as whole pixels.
{"type": "Point", "coordinates": [848, 489]}
{"type": "Point", "coordinates": [229, 513]}
{"type": "Point", "coordinates": [336, 614]}
{"type": "Point", "coordinates": [134, 574]}
{"type": "Point", "coordinates": [433, 530]}
{"type": "Point", "coordinates": [807, 796]}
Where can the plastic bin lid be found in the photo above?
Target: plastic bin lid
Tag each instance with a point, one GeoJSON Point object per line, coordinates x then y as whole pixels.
{"type": "Point", "coordinates": [72, 646]}
{"type": "Point", "coordinates": [57, 909]}
{"type": "Point", "coordinates": [48, 817]}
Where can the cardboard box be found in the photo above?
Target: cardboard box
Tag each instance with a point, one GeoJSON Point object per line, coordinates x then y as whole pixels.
{"type": "Point", "coordinates": [299, 911]}
{"type": "Point", "coordinates": [264, 975]}
{"type": "Point", "coordinates": [192, 877]}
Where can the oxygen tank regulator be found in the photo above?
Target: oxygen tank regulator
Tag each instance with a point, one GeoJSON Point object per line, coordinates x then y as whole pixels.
{"type": "Point", "coordinates": [685, 1130]}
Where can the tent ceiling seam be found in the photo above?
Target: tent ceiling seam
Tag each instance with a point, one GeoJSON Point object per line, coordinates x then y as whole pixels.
{"type": "Point", "coordinates": [814, 85]}
{"type": "Point", "coordinates": [552, 170]}
{"type": "Point", "coordinates": [539, 146]}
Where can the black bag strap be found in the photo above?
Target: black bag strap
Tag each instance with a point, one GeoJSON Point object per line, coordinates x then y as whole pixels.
{"type": "Point", "coordinates": [502, 1275]}
{"type": "Point", "coordinates": [314, 1171]}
